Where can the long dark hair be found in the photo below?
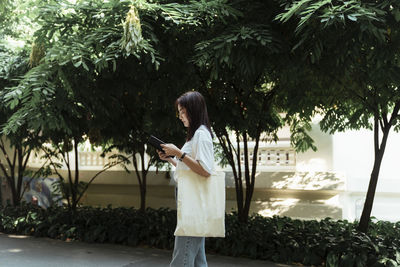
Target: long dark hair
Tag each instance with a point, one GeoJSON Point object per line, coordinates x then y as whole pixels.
{"type": "Point", "coordinates": [196, 111]}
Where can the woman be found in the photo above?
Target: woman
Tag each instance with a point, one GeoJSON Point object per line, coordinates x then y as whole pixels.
{"type": "Point", "coordinates": [197, 154]}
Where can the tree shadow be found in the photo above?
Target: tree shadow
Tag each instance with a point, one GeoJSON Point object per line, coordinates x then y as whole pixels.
{"type": "Point", "coordinates": [304, 195]}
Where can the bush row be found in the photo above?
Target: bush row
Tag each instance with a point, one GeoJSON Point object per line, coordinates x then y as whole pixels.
{"type": "Point", "coordinates": [280, 239]}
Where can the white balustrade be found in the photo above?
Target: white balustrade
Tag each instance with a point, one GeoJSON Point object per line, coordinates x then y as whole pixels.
{"type": "Point", "coordinates": [92, 159]}
{"type": "Point", "coordinates": [267, 156]}
{"type": "Point", "coordinates": [277, 156]}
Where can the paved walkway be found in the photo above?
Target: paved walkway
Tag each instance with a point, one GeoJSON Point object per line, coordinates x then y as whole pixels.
{"type": "Point", "coordinates": [28, 251]}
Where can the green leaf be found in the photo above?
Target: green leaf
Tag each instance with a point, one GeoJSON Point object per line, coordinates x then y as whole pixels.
{"type": "Point", "coordinates": [351, 17]}
{"type": "Point", "coordinates": [347, 260]}
{"type": "Point", "coordinates": [332, 260]}
{"type": "Point", "coordinates": [85, 66]}
{"type": "Point", "coordinates": [77, 64]}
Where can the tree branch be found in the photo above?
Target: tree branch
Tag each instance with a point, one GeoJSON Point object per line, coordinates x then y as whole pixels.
{"type": "Point", "coordinates": [238, 160]}
{"type": "Point", "coordinates": [26, 159]}
{"type": "Point", "coordinates": [3, 149]}
{"type": "Point", "coordinates": [226, 150]}
{"type": "Point", "coordinates": [8, 177]}
{"type": "Point", "coordinates": [246, 159]}
{"type": "Point", "coordinates": [12, 167]}
{"type": "Point", "coordinates": [134, 161]}
{"type": "Point", "coordinates": [395, 113]}
{"type": "Point", "coordinates": [385, 119]}
{"type": "Point", "coordinates": [76, 162]}
{"type": "Point", "coordinates": [376, 135]}
{"type": "Point", "coordinates": [381, 124]}
{"type": "Point", "coordinates": [95, 176]}
{"type": "Point", "coordinates": [232, 149]}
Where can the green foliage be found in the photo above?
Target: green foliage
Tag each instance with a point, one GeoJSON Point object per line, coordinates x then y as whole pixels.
{"type": "Point", "coordinates": [94, 75]}
{"type": "Point", "coordinates": [280, 239]}
{"type": "Point", "coordinates": [238, 48]}
{"type": "Point", "coordinates": [15, 148]}
{"type": "Point", "coordinates": [242, 66]}
{"type": "Point", "coordinates": [17, 20]}
{"type": "Point", "coordinates": [350, 51]}
{"type": "Point", "coordinates": [299, 133]}
{"type": "Point", "coordinates": [132, 37]}
{"type": "Point", "coordinates": [329, 12]}
{"type": "Point", "coordinates": [103, 225]}
{"type": "Point", "coordinates": [69, 187]}
{"type": "Point", "coordinates": [349, 57]}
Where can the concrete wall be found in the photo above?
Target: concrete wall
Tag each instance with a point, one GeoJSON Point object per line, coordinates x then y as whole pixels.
{"type": "Point", "coordinates": [351, 155]}
{"type": "Point", "coordinates": [330, 182]}
{"type": "Point", "coordinates": [320, 160]}
{"type": "Point", "coordinates": [354, 155]}
{"type": "Point", "coordinates": [293, 194]}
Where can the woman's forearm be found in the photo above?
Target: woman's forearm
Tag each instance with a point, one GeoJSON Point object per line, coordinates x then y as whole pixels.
{"type": "Point", "coordinates": [195, 166]}
{"type": "Point", "coordinates": [172, 161]}
{"type": "Point", "coordinates": [171, 149]}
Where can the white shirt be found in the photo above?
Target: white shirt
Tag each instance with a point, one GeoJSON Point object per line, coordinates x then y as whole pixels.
{"type": "Point", "coordinates": [201, 149]}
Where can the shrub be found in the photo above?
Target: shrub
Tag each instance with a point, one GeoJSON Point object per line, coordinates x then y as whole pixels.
{"type": "Point", "coordinates": [280, 239]}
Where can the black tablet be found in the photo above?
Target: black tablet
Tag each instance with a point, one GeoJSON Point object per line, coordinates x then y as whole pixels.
{"type": "Point", "coordinates": [155, 142]}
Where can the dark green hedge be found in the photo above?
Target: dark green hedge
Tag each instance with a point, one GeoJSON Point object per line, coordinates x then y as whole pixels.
{"type": "Point", "coordinates": [280, 239]}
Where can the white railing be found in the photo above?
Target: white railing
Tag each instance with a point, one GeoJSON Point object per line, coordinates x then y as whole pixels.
{"type": "Point", "coordinates": [92, 159]}
{"type": "Point", "coordinates": [277, 156]}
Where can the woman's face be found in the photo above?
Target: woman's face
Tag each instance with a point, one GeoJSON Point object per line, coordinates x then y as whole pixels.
{"type": "Point", "coordinates": [183, 116]}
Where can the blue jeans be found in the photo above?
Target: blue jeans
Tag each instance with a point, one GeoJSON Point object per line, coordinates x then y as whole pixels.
{"type": "Point", "coordinates": [189, 251]}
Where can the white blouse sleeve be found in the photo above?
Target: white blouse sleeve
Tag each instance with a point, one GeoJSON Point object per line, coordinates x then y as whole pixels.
{"type": "Point", "coordinates": [203, 149]}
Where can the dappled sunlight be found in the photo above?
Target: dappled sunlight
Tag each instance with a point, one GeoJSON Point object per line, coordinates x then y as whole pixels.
{"type": "Point", "coordinates": [310, 181]}
{"type": "Point", "coordinates": [18, 236]}
{"type": "Point", "coordinates": [298, 208]}
{"type": "Point", "coordinates": [12, 250]}
{"type": "Point", "coordinates": [312, 165]}
{"type": "Point", "coordinates": [333, 201]}
{"type": "Point", "coordinates": [275, 206]}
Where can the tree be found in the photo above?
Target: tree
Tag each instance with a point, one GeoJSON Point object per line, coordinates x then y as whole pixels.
{"type": "Point", "coordinates": [140, 104]}
{"type": "Point", "coordinates": [352, 49]}
{"type": "Point", "coordinates": [77, 47]}
{"type": "Point", "coordinates": [16, 29]}
{"type": "Point", "coordinates": [238, 64]}
{"type": "Point", "coordinates": [45, 100]}
{"type": "Point", "coordinates": [144, 92]}
{"type": "Point", "coordinates": [17, 147]}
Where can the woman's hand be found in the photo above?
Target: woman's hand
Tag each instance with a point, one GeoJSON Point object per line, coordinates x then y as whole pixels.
{"type": "Point", "coordinates": [171, 150]}
{"type": "Point", "coordinates": [162, 155]}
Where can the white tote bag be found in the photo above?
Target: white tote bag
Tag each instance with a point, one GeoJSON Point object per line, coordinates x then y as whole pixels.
{"type": "Point", "coordinates": [201, 204]}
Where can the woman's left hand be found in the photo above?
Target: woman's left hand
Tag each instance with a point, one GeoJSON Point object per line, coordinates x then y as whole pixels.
{"type": "Point", "coordinates": [171, 150]}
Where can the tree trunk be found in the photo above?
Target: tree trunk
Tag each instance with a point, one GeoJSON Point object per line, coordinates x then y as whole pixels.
{"type": "Point", "coordinates": [143, 196]}
{"type": "Point", "coordinates": [13, 182]}
{"type": "Point", "coordinates": [141, 176]}
{"type": "Point", "coordinates": [246, 205]}
{"type": "Point", "coordinates": [143, 185]}
{"type": "Point", "coordinates": [75, 195]}
{"type": "Point", "coordinates": [230, 153]}
{"type": "Point", "coordinates": [239, 183]}
{"type": "Point", "coordinates": [379, 151]}
{"type": "Point", "coordinates": [14, 193]}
